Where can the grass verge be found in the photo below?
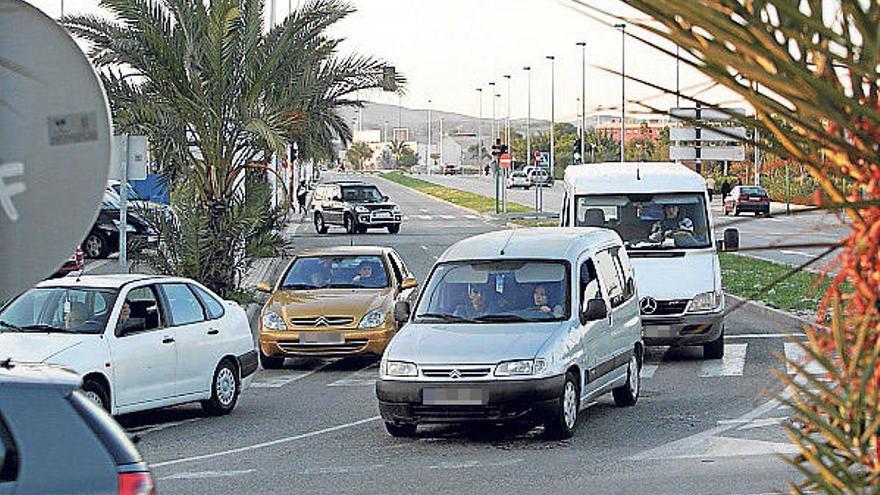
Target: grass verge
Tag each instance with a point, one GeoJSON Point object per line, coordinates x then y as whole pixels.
{"type": "Point", "coordinates": [744, 277]}
{"type": "Point", "coordinates": [476, 202]}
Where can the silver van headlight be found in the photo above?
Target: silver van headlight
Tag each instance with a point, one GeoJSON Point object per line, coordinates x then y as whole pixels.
{"type": "Point", "coordinates": [399, 369]}
{"type": "Point", "coordinates": [523, 367]}
{"type": "Point", "coordinates": [706, 301]}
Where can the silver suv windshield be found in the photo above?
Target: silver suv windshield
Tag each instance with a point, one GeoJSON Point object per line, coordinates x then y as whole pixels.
{"type": "Point", "coordinates": [59, 310]}
{"type": "Point", "coordinates": [361, 194]}
{"type": "Point", "coordinates": [649, 221]}
{"type": "Point", "coordinates": [496, 292]}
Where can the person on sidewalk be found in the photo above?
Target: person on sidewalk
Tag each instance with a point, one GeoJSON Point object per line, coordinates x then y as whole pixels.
{"type": "Point", "coordinates": [301, 194]}
{"type": "Point", "coordinates": [725, 190]}
{"type": "Point", "coordinates": [710, 187]}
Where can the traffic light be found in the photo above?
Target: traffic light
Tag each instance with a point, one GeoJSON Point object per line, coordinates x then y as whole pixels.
{"type": "Point", "coordinates": [496, 148]}
{"type": "Point", "coordinates": [577, 151]}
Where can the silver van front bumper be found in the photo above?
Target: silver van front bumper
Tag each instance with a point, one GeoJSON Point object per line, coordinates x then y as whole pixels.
{"type": "Point", "coordinates": [688, 329]}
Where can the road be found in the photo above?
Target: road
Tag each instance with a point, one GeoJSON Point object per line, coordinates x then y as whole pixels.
{"type": "Point", "coordinates": [755, 232]}
{"type": "Point", "coordinates": [700, 427]}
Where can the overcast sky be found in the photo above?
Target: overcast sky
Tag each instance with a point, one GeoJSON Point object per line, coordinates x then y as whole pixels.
{"type": "Point", "coordinates": [448, 48]}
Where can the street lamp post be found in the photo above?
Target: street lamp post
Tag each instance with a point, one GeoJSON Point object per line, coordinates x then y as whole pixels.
{"type": "Point", "coordinates": [552, 60]}
{"type": "Point", "coordinates": [492, 95]}
{"type": "Point", "coordinates": [480, 134]}
{"type": "Point", "coordinates": [428, 143]}
{"type": "Point", "coordinates": [528, 115]}
{"type": "Point", "coordinates": [507, 125]}
{"type": "Point", "coordinates": [622, 28]}
{"type": "Point", "coordinates": [583, 46]}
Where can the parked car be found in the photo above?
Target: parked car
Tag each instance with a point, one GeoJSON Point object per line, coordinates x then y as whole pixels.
{"type": "Point", "coordinates": [660, 210]}
{"type": "Point", "coordinates": [138, 341]}
{"type": "Point", "coordinates": [141, 205]}
{"type": "Point", "coordinates": [540, 177]}
{"type": "Point", "coordinates": [55, 440]}
{"type": "Point", "coordinates": [354, 205]}
{"type": "Point", "coordinates": [74, 263]}
{"type": "Point", "coordinates": [103, 237]}
{"type": "Point", "coordinates": [450, 169]}
{"type": "Point", "coordinates": [747, 198]}
{"type": "Point", "coordinates": [334, 302]}
{"type": "Point", "coordinates": [523, 325]}
{"type": "Point", "coordinates": [518, 179]}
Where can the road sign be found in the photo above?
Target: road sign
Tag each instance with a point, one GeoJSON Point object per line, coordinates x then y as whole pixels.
{"type": "Point", "coordinates": [724, 134]}
{"type": "Point", "coordinates": [542, 159]}
{"type": "Point", "coordinates": [721, 153]}
{"type": "Point", "coordinates": [706, 113]}
{"type": "Point", "coordinates": [136, 156]}
{"type": "Point", "coordinates": [505, 160]}
{"type": "Point", "coordinates": [54, 146]}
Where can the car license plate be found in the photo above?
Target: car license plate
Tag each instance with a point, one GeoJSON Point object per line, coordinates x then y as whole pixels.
{"type": "Point", "coordinates": [321, 338]}
{"type": "Point", "coordinates": [753, 198]}
{"type": "Point", "coordinates": [453, 397]}
{"type": "Point", "coordinates": [382, 214]}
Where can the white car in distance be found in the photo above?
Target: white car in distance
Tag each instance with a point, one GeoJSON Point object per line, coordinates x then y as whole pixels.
{"type": "Point", "coordinates": [138, 341]}
{"type": "Point", "coordinates": [518, 179]}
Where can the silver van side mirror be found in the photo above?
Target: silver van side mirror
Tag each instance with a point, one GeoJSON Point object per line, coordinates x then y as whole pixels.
{"type": "Point", "coordinates": [595, 310]}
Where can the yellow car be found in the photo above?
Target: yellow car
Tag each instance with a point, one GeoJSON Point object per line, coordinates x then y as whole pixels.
{"type": "Point", "coordinates": [334, 302]}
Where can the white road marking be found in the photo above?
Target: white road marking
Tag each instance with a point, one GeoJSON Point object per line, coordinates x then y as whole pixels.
{"type": "Point", "coordinates": [424, 217]}
{"type": "Point", "coordinates": [472, 217]}
{"type": "Point", "coordinates": [344, 469]}
{"type": "Point", "coordinates": [474, 464]}
{"type": "Point", "coordinates": [798, 253]}
{"type": "Point", "coordinates": [425, 248]}
{"type": "Point", "coordinates": [765, 336]}
{"type": "Point", "coordinates": [280, 381]}
{"type": "Point", "coordinates": [263, 445]}
{"type": "Point", "coordinates": [365, 377]}
{"type": "Point", "coordinates": [731, 365]}
{"type": "Point", "coordinates": [648, 371]}
{"type": "Point", "coordinates": [793, 352]}
{"type": "Point", "coordinates": [447, 217]}
{"type": "Point", "coordinates": [143, 430]}
{"type": "Point", "coordinates": [203, 475]}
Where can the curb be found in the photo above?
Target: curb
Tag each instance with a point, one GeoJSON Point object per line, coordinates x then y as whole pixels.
{"type": "Point", "coordinates": [772, 315]}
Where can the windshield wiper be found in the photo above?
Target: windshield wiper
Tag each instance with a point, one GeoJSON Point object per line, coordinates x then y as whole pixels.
{"type": "Point", "coordinates": [6, 324]}
{"type": "Point", "coordinates": [42, 327]}
{"type": "Point", "coordinates": [445, 317]}
{"type": "Point", "coordinates": [504, 318]}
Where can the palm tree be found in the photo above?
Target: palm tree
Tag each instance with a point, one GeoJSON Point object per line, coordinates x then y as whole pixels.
{"type": "Point", "coordinates": [358, 154]}
{"type": "Point", "coordinates": [216, 94]}
{"type": "Point", "coordinates": [809, 69]}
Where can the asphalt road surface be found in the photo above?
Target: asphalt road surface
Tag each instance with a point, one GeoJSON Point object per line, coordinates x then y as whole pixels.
{"type": "Point", "coordinates": [700, 427]}
{"type": "Point", "coordinates": [788, 231]}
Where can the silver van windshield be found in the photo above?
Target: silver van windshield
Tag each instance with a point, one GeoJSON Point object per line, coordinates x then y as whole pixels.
{"type": "Point", "coordinates": [496, 292]}
{"type": "Point", "coordinates": [648, 221]}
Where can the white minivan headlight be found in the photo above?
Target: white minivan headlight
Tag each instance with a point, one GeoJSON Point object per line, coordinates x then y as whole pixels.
{"type": "Point", "coordinates": [707, 301]}
{"type": "Point", "coordinates": [373, 319]}
{"type": "Point", "coordinates": [399, 369]}
{"type": "Point", "coordinates": [273, 321]}
{"type": "Point", "coordinates": [521, 367]}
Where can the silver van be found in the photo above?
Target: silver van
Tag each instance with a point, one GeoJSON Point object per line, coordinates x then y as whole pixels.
{"type": "Point", "coordinates": [517, 325]}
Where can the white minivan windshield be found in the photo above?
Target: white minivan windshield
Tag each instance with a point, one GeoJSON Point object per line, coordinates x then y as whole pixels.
{"type": "Point", "coordinates": [648, 221]}
{"type": "Point", "coordinates": [496, 291]}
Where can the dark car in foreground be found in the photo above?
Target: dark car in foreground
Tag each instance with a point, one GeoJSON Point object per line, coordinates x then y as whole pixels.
{"type": "Point", "coordinates": [55, 440]}
{"type": "Point", "coordinates": [354, 205]}
{"type": "Point", "coordinates": [747, 198]}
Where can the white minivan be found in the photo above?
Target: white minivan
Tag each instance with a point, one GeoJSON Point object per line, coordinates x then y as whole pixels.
{"type": "Point", "coordinates": [660, 210]}
{"type": "Point", "coordinates": [524, 325]}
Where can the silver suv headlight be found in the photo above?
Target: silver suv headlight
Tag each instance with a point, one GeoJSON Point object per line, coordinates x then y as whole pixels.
{"type": "Point", "coordinates": [361, 209]}
{"type": "Point", "coordinates": [273, 321]}
{"type": "Point", "coordinates": [395, 209]}
{"type": "Point", "coordinates": [520, 368]}
{"type": "Point", "coordinates": [373, 319]}
{"type": "Point", "coordinates": [706, 301]}
{"type": "Point", "coordinates": [399, 369]}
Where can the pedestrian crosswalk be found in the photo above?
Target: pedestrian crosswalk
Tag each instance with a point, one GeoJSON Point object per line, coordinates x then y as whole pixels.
{"type": "Point", "coordinates": [657, 366]}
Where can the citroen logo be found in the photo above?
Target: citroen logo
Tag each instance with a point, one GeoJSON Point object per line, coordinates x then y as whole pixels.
{"type": "Point", "coordinates": [321, 321]}
{"type": "Point", "coordinates": [648, 305]}
{"type": "Point", "coordinates": [455, 374]}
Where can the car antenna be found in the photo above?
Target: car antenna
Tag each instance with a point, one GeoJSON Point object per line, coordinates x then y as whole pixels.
{"type": "Point", "coordinates": [512, 233]}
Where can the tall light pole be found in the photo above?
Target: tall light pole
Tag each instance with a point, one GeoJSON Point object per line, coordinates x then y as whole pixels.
{"type": "Point", "coordinates": [528, 114]}
{"type": "Point", "coordinates": [428, 143]}
{"type": "Point", "coordinates": [677, 77]}
{"type": "Point", "coordinates": [480, 133]}
{"type": "Point", "coordinates": [622, 28]}
{"type": "Point", "coordinates": [583, 46]}
{"type": "Point", "coordinates": [507, 134]}
{"type": "Point", "coordinates": [552, 60]}
{"type": "Point", "coordinates": [492, 95]}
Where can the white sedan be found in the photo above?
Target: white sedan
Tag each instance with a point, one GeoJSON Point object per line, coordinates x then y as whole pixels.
{"type": "Point", "coordinates": [518, 179]}
{"type": "Point", "coordinates": [138, 341]}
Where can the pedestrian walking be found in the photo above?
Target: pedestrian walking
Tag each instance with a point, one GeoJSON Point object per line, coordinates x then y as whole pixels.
{"type": "Point", "coordinates": [301, 194]}
{"type": "Point", "coordinates": [725, 190]}
{"type": "Point", "coordinates": [710, 187]}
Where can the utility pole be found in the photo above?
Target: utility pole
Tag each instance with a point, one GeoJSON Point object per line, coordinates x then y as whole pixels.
{"type": "Point", "coordinates": [552, 60]}
{"type": "Point", "coordinates": [480, 134]}
{"type": "Point", "coordinates": [583, 46]}
{"type": "Point", "coordinates": [428, 143]}
{"type": "Point", "coordinates": [492, 95]}
{"type": "Point", "coordinates": [677, 76]}
{"type": "Point", "coordinates": [622, 28]}
{"type": "Point", "coordinates": [507, 132]}
{"type": "Point", "coordinates": [440, 142]}
{"type": "Point", "coordinates": [528, 115]}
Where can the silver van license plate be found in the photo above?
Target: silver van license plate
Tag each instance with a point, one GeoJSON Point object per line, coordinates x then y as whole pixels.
{"type": "Point", "coordinates": [453, 397]}
{"type": "Point", "coordinates": [322, 338]}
